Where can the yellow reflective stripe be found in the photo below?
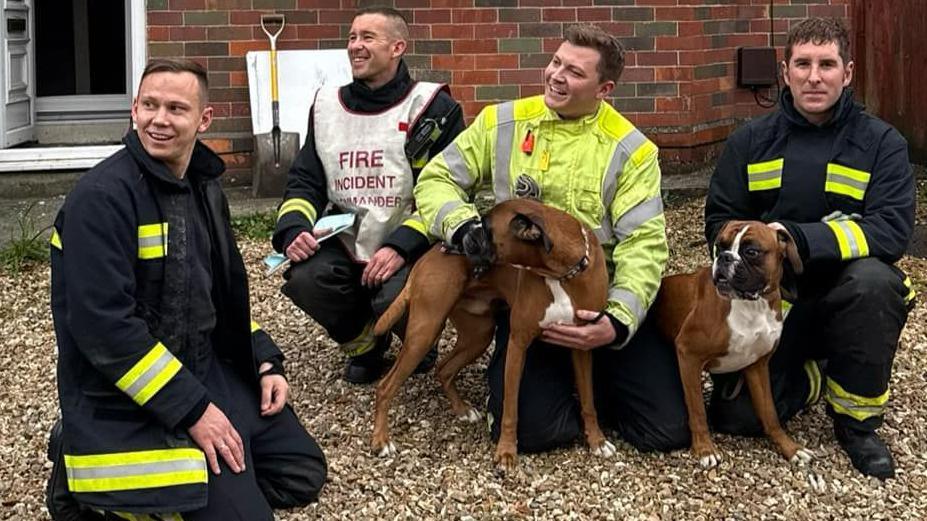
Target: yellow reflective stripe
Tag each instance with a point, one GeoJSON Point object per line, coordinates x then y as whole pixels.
{"type": "Point", "coordinates": [364, 342]}
{"type": "Point", "coordinates": [152, 241]}
{"type": "Point", "coordinates": [55, 239]}
{"type": "Point", "coordinates": [135, 470]}
{"type": "Point", "coordinates": [836, 187]}
{"type": "Point", "coordinates": [765, 176]}
{"type": "Point", "coordinates": [149, 374]}
{"type": "Point", "coordinates": [911, 293]}
{"type": "Point", "coordinates": [766, 166]}
{"type": "Point", "coordinates": [416, 223]}
{"type": "Point", "coordinates": [297, 205]}
{"type": "Point", "coordinates": [850, 239]}
{"type": "Point", "coordinates": [814, 379]}
{"type": "Point", "coordinates": [255, 326]}
{"type": "Point", "coordinates": [858, 407]}
{"type": "Point", "coordinates": [852, 173]}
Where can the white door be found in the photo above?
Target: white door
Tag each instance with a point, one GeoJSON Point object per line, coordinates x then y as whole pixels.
{"type": "Point", "coordinates": [17, 88]}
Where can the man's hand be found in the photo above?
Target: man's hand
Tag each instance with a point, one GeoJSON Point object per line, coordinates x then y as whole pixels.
{"type": "Point", "coordinates": [274, 390]}
{"type": "Point", "coordinates": [215, 435]}
{"type": "Point", "coordinates": [305, 245]}
{"type": "Point", "coordinates": [585, 337]}
{"type": "Point", "coordinates": [383, 265]}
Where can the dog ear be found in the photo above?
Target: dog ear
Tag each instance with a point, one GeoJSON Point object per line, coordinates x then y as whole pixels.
{"type": "Point", "coordinates": [530, 229]}
{"type": "Point", "coordinates": [791, 251]}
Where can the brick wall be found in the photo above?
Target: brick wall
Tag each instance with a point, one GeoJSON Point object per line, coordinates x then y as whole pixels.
{"type": "Point", "coordinates": [679, 83]}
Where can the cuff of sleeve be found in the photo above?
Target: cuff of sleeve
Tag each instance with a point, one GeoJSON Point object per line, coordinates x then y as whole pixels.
{"type": "Point", "coordinates": [276, 366]}
{"type": "Point", "coordinates": [194, 415]}
{"type": "Point", "coordinates": [622, 322]}
{"type": "Point", "coordinates": [819, 240]}
{"type": "Point", "coordinates": [408, 243]}
{"type": "Point", "coordinates": [621, 332]}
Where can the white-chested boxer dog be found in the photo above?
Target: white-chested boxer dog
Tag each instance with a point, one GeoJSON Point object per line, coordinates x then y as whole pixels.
{"type": "Point", "coordinates": [728, 317]}
{"type": "Point", "coordinates": [546, 265]}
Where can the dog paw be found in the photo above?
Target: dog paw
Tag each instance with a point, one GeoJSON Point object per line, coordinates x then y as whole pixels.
{"type": "Point", "coordinates": [710, 461]}
{"type": "Point", "coordinates": [605, 450]}
{"type": "Point", "coordinates": [470, 416]}
{"type": "Point", "coordinates": [815, 481]}
{"type": "Point", "coordinates": [802, 456]}
{"type": "Point", "coordinates": [388, 450]}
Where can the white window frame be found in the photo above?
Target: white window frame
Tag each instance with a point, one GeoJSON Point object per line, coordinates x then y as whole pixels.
{"type": "Point", "coordinates": [80, 157]}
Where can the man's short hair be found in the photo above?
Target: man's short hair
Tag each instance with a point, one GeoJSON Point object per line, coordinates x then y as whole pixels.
{"type": "Point", "coordinates": [180, 65]}
{"type": "Point", "coordinates": [611, 51]}
{"type": "Point", "coordinates": [398, 23]}
{"type": "Point", "coordinates": [819, 31]}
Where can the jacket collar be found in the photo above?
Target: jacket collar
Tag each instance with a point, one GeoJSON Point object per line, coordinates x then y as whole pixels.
{"type": "Point", "coordinates": [843, 109]}
{"type": "Point", "coordinates": [366, 99]}
{"type": "Point", "coordinates": [204, 164]}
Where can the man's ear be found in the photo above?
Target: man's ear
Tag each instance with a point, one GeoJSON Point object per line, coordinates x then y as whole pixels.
{"type": "Point", "coordinates": [399, 48]}
{"type": "Point", "coordinates": [848, 75]}
{"type": "Point", "coordinates": [205, 119]}
{"type": "Point", "coordinates": [605, 89]}
{"type": "Point", "coordinates": [530, 229]}
{"type": "Point", "coordinates": [784, 65]}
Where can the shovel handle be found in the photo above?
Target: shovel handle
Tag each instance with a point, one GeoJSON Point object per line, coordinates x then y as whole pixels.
{"type": "Point", "coordinates": [266, 20]}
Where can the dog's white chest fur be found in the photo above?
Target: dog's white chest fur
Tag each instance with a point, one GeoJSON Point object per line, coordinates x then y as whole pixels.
{"type": "Point", "coordinates": [754, 333]}
{"type": "Point", "coordinates": [560, 309]}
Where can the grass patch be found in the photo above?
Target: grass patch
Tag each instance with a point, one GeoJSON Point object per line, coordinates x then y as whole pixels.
{"type": "Point", "coordinates": [258, 226]}
{"type": "Point", "coordinates": [26, 245]}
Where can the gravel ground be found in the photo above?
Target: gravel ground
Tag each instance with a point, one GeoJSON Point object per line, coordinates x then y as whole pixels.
{"type": "Point", "coordinates": [444, 468]}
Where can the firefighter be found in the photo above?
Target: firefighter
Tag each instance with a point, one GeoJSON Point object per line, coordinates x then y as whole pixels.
{"type": "Point", "coordinates": [570, 149]}
{"type": "Point", "coordinates": [173, 400]}
{"type": "Point", "coordinates": [839, 180]}
{"type": "Point", "coordinates": [366, 143]}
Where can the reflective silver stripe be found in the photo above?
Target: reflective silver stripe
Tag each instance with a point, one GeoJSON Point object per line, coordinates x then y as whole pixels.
{"type": "Point", "coordinates": [629, 299]}
{"type": "Point", "coordinates": [623, 151]}
{"type": "Point", "coordinates": [138, 469]}
{"type": "Point", "coordinates": [637, 216]}
{"type": "Point", "coordinates": [845, 180]}
{"type": "Point", "coordinates": [764, 176]}
{"type": "Point", "coordinates": [150, 374]}
{"type": "Point", "coordinates": [505, 135]}
{"type": "Point", "coordinates": [457, 166]}
{"type": "Point", "coordinates": [147, 242]}
{"type": "Point", "coordinates": [443, 212]}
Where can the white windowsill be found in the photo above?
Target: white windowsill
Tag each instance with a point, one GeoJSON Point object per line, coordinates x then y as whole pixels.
{"type": "Point", "coordinates": [54, 158]}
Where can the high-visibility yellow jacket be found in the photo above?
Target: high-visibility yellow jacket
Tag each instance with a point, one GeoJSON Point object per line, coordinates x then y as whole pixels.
{"type": "Point", "coordinates": [599, 168]}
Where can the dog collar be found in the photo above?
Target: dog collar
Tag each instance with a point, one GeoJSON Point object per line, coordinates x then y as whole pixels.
{"type": "Point", "coordinates": [575, 269]}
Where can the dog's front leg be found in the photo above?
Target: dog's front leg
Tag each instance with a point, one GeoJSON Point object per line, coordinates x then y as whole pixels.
{"type": "Point", "coordinates": [757, 376]}
{"type": "Point", "coordinates": [507, 449]}
{"type": "Point", "coordinates": [690, 370]}
{"type": "Point", "coordinates": [582, 372]}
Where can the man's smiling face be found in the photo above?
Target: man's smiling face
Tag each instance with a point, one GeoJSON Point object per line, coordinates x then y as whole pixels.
{"type": "Point", "coordinates": [572, 85]}
{"type": "Point", "coordinates": [372, 47]}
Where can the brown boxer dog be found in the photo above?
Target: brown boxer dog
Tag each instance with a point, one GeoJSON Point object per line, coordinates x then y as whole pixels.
{"type": "Point", "coordinates": [728, 317]}
{"type": "Point", "coordinates": [546, 265]}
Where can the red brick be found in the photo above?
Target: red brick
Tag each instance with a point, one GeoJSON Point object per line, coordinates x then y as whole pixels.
{"type": "Point", "coordinates": [159, 33]}
{"type": "Point", "coordinates": [189, 34]}
{"type": "Point", "coordinates": [474, 16]}
{"type": "Point", "coordinates": [164, 18]}
{"type": "Point", "coordinates": [475, 46]}
{"type": "Point", "coordinates": [219, 110]}
{"type": "Point", "coordinates": [531, 90]}
{"type": "Point", "coordinates": [213, 5]}
{"type": "Point", "coordinates": [472, 108]}
{"type": "Point", "coordinates": [828, 11]}
{"type": "Point", "coordinates": [577, 3]}
{"type": "Point", "coordinates": [618, 28]}
{"type": "Point", "coordinates": [671, 104]}
{"type": "Point", "coordinates": [453, 62]}
{"type": "Point", "coordinates": [404, 4]}
{"type": "Point", "coordinates": [747, 12]}
{"type": "Point", "coordinates": [593, 14]}
{"type": "Point", "coordinates": [317, 32]}
{"type": "Point", "coordinates": [634, 74]}
{"type": "Point", "coordinates": [463, 93]}
{"type": "Point", "coordinates": [451, 3]}
{"type": "Point", "coordinates": [643, 3]}
{"type": "Point", "coordinates": [673, 14]}
{"type": "Point", "coordinates": [672, 73]}
{"type": "Point", "coordinates": [252, 18]}
{"type": "Point", "coordinates": [241, 109]}
{"type": "Point", "coordinates": [550, 45]}
{"type": "Point", "coordinates": [496, 30]}
{"type": "Point", "coordinates": [690, 28]}
{"type": "Point", "coordinates": [240, 48]}
{"type": "Point", "coordinates": [431, 16]}
{"type": "Point", "coordinates": [420, 32]}
{"type": "Point", "coordinates": [497, 61]}
{"type": "Point", "coordinates": [476, 77]}
{"type": "Point", "coordinates": [657, 58]}
{"type": "Point", "coordinates": [291, 45]}
{"type": "Point", "coordinates": [187, 5]}
{"type": "Point", "coordinates": [329, 16]}
{"type": "Point", "coordinates": [748, 40]}
{"type": "Point", "coordinates": [567, 14]}
{"type": "Point", "coordinates": [539, 3]}
{"type": "Point", "coordinates": [680, 43]}
{"type": "Point", "coordinates": [452, 31]}
{"type": "Point", "coordinates": [238, 78]}
{"type": "Point", "coordinates": [228, 33]}
{"type": "Point", "coordinates": [318, 4]}
{"type": "Point", "coordinates": [521, 76]}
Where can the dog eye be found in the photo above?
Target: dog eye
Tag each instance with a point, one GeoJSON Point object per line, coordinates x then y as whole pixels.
{"type": "Point", "coordinates": [752, 253]}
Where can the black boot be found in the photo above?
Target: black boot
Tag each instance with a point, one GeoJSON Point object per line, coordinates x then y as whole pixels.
{"type": "Point", "coordinates": [428, 362]}
{"type": "Point", "coordinates": [370, 366]}
{"type": "Point", "coordinates": [61, 504]}
{"type": "Point", "coordinates": [866, 450]}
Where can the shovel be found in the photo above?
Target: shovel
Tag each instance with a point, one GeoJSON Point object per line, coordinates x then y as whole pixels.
{"type": "Point", "coordinates": [274, 151]}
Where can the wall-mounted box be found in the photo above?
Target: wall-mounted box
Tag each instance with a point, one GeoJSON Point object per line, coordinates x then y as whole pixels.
{"type": "Point", "coordinates": [756, 67]}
